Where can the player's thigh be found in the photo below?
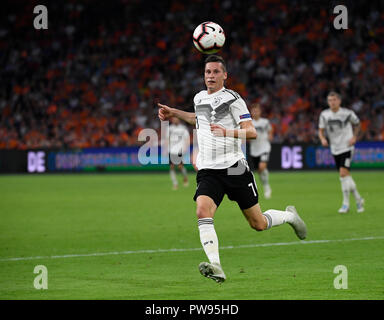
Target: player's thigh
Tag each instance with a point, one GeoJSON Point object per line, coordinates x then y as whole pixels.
{"type": "Point", "coordinates": [255, 217]}
{"type": "Point", "coordinates": [209, 193]}
{"type": "Point", "coordinates": [242, 188]}
{"type": "Point", "coordinates": [205, 207]}
{"type": "Point", "coordinates": [343, 163]}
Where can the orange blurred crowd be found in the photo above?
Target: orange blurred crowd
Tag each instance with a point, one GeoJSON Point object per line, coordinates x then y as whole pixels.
{"type": "Point", "coordinates": [94, 77]}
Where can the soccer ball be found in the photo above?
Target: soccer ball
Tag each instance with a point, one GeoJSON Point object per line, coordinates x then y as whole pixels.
{"type": "Point", "coordinates": [208, 37]}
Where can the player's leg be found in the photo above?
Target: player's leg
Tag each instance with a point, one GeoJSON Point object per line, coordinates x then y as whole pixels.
{"type": "Point", "coordinates": [350, 186]}
{"type": "Point", "coordinates": [172, 173]}
{"type": "Point", "coordinates": [264, 177]}
{"type": "Point", "coordinates": [184, 173]}
{"type": "Point", "coordinates": [358, 198]}
{"type": "Point", "coordinates": [205, 211]}
{"type": "Point", "coordinates": [345, 189]}
{"type": "Point", "coordinates": [208, 196]}
{"type": "Point", "coordinates": [243, 190]}
{"type": "Point", "coordinates": [271, 218]}
{"type": "Point", "coordinates": [255, 218]}
{"type": "Point", "coordinates": [343, 173]}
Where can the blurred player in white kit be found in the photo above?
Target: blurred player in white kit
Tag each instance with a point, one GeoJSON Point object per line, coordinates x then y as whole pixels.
{"type": "Point", "coordinates": [260, 148]}
{"type": "Point", "coordinates": [341, 126]}
{"type": "Point", "coordinates": [178, 144]}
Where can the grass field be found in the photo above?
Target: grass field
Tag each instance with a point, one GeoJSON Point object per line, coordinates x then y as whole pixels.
{"type": "Point", "coordinates": [110, 237]}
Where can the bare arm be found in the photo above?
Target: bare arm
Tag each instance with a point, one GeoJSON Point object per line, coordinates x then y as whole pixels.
{"type": "Point", "coordinates": [165, 113]}
{"type": "Point", "coordinates": [270, 134]}
{"type": "Point", "coordinates": [356, 131]}
{"type": "Point", "coordinates": [322, 138]}
{"type": "Point", "coordinates": [247, 131]}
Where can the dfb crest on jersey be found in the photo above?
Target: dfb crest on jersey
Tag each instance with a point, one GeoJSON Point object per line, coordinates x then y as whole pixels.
{"type": "Point", "coordinates": [216, 102]}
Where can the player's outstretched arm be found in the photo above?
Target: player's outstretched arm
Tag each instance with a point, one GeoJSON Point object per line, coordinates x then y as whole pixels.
{"type": "Point", "coordinates": [165, 113]}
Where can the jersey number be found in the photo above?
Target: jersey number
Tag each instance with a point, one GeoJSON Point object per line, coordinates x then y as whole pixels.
{"type": "Point", "coordinates": [252, 187]}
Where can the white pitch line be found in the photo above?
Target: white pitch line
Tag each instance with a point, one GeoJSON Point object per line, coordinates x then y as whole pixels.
{"type": "Point", "coordinates": [187, 249]}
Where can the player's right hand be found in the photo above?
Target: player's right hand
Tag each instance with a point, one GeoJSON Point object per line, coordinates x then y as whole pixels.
{"type": "Point", "coordinates": [165, 112]}
{"type": "Point", "coordinates": [324, 142]}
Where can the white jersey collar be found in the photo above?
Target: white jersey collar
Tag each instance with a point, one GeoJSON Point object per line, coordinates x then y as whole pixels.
{"type": "Point", "coordinates": [215, 93]}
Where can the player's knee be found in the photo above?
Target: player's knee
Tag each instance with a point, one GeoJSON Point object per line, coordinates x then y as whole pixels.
{"type": "Point", "coordinates": [343, 172]}
{"type": "Point", "coordinates": [256, 225]}
{"type": "Point", "coordinates": [203, 212]}
{"type": "Point", "coordinates": [205, 207]}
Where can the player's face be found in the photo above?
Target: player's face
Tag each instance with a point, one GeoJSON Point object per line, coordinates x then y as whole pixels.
{"type": "Point", "coordinates": [256, 113]}
{"type": "Point", "coordinates": [214, 76]}
{"type": "Point", "coordinates": [334, 102]}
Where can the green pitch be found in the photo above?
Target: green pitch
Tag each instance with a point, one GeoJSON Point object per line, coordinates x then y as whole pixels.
{"type": "Point", "coordinates": [112, 236]}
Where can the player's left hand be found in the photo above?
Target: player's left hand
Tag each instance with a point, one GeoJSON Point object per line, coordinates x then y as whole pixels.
{"type": "Point", "coordinates": [218, 130]}
{"type": "Point", "coordinates": [352, 141]}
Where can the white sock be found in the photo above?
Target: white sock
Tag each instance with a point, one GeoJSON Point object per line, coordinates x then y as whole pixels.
{"type": "Point", "coordinates": [264, 177]}
{"type": "Point", "coordinates": [277, 217]}
{"type": "Point", "coordinates": [345, 188]}
{"type": "Point", "coordinates": [172, 173]}
{"type": "Point", "coordinates": [353, 188]}
{"type": "Point", "coordinates": [209, 239]}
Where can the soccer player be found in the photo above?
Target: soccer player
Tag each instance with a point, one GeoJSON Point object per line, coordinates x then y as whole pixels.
{"type": "Point", "coordinates": [178, 139]}
{"type": "Point", "coordinates": [341, 126]}
{"type": "Point", "coordinates": [222, 120]}
{"type": "Point", "coordinates": [260, 148]}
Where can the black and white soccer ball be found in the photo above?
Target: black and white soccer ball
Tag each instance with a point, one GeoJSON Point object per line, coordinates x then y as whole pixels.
{"type": "Point", "coordinates": [208, 37]}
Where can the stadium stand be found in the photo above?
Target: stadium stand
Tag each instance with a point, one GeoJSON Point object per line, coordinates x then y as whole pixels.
{"type": "Point", "coordinates": [94, 77]}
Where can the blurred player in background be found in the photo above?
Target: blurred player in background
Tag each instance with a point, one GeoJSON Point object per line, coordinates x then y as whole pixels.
{"type": "Point", "coordinates": [222, 119]}
{"type": "Point", "coordinates": [341, 126]}
{"type": "Point", "coordinates": [178, 145]}
{"type": "Point", "coordinates": [260, 148]}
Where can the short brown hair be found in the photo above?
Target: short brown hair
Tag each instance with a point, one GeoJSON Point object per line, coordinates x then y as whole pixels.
{"type": "Point", "coordinates": [334, 94]}
{"type": "Point", "coordinates": [255, 105]}
{"type": "Point", "coordinates": [215, 58]}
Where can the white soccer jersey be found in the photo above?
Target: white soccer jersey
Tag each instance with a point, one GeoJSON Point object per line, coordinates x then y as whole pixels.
{"type": "Point", "coordinates": [224, 107]}
{"type": "Point", "coordinates": [178, 138]}
{"type": "Point", "coordinates": [261, 144]}
{"type": "Point", "coordinates": [338, 126]}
